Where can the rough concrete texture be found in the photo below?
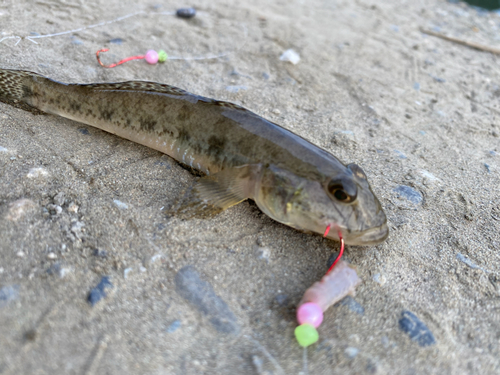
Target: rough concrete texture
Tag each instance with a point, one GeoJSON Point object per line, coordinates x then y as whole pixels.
{"type": "Point", "coordinates": [419, 114]}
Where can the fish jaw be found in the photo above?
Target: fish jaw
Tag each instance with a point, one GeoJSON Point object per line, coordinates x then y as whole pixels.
{"type": "Point", "coordinates": [369, 237]}
{"type": "Point", "coordinates": [306, 205]}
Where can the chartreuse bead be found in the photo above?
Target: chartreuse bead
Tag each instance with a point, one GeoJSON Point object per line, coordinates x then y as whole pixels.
{"type": "Point", "coordinates": [162, 56]}
{"type": "Point", "coordinates": [306, 335]}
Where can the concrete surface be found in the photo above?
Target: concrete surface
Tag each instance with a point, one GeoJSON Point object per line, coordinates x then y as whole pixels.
{"type": "Point", "coordinates": [81, 210]}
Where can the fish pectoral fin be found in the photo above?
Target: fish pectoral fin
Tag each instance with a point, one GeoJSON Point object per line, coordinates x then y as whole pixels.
{"type": "Point", "coordinates": [216, 193]}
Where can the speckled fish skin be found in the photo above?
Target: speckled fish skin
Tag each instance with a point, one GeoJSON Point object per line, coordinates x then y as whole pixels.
{"type": "Point", "coordinates": [243, 155]}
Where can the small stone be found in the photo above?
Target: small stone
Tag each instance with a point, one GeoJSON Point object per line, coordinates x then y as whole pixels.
{"type": "Point", "coordinates": [353, 305]}
{"type": "Point", "coordinates": [351, 352]}
{"type": "Point", "coordinates": [291, 56]}
{"type": "Point", "coordinates": [54, 269]}
{"type": "Point", "coordinates": [54, 209]}
{"type": "Point", "coordinates": [120, 205]}
{"type": "Point", "coordinates": [37, 173]}
{"type": "Point", "coordinates": [263, 253]}
{"type": "Point", "coordinates": [235, 89]}
{"type": "Point", "coordinates": [416, 329]}
{"type": "Point", "coordinates": [20, 254]}
{"type": "Point", "coordinates": [379, 279]}
{"type": "Point", "coordinates": [118, 41]}
{"type": "Point", "coordinates": [63, 271]}
{"type": "Point", "coordinates": [51, 256]}
{"type": "Point", "coordinates": [73, 207]}
{"type": "Point", "coordinates": [30, 335]}
{"type": "Point", "coordinates": [186, 13]}
{"type": "Point", "coordinates": [76, 41]}
{"type": "Point", "coordinates": [8, 293]}
{"type": "Point", "coordinates": [77, 228]}
{"type": "Point", "coordinates": [174, 326]}
{"type": "Point", "coordinates": [60, 199]}
{"type": "Point", "coordinates": [276, 111]}
{"type": "Point", "coordinates": [99, 292]}
{"type": "Point", "coordinates": [100, 253]}
{"type": "Point", "coordinates": [126, 271]}
{"type": "Point", "coordinates": [409, 194]}
{"type": "Point", "coordinates": [281, 299]}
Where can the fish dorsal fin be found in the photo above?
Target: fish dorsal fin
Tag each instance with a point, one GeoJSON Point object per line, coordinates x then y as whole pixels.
{"type": "Point", "coordinates": [138, 86]}
{"type": "Point", "coordinates": [216, 193]}
{"type": "Point", "coordinates": [161, 88]}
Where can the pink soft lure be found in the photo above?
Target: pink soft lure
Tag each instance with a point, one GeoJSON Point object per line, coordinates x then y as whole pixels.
{"type": "Point", "coordinates": [335, 285]}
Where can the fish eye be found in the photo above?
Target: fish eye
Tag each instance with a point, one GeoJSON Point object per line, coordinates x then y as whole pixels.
{"type": "Point", "coordinates": [343, 190]}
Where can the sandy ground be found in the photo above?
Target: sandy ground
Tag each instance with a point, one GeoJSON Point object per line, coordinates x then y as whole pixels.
{"type": "Point", "coordinates": [81, 209]}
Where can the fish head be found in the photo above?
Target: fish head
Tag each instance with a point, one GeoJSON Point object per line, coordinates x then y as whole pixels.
{"type": "Point", "coordinates": [344, 201]}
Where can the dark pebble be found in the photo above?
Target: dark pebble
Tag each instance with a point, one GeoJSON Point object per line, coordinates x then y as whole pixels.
{"type": "Point", "coordinates": [30, 335]}
{"type": "Point", "coordinates": [186, 12]}
{"type": "Point", "coordinates": [281, 299]}
{"type": "Point", "coordinates": [438, 79]}
{"type": "Point", "coordinates": [174, 326]}
{"type": "Point", "coordinates": [202, 296]}
{"type": "Point", "coordinates": [353, 305]}
{"type": "Point", "coordinates": [118, 41]}
{"type": "Point", "coordinates": [409, 193]}
{"type": "Point", "coordinates": [54, 269]}
{"type": "Point", "coordinates": [99, 292]}
{"type": "Point", "coordinates": [8, 293]}
{"type": "Point", "coordinates": [84, 131]}
{"type": "Point", "coordinates": [416, 329]}
{"type": "Point", "coordinates": [100, 253]}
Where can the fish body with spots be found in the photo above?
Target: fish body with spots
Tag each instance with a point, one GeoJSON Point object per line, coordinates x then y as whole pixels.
{"type": "Point", "coordinates": [242, 155]}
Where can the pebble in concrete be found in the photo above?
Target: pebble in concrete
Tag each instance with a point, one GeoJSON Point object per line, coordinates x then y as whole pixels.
{"type": "Point", "coordinates": [99, 292]}
{"type": "Point", "coordinates": [8, 293]}
{"type": "Point", "coordinates": [201, 295]}
{"type": "Point", "coordinates": [353, 305]}
{"type": "Point", "coordinates": [416, 329]}
{"type": "Point", "coordinates": [174, 326]}
{"type": "Point", "coordinates": [409, 194]}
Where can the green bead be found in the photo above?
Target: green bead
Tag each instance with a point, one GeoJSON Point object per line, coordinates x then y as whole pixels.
{"type": "Point", "coordinates": [162, 56]}
{"type": "Point", "coordinates": [306, 335]}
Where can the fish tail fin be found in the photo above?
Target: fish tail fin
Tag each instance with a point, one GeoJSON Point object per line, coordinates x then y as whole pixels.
{"type": "Point", "coordinates": [16, 84]}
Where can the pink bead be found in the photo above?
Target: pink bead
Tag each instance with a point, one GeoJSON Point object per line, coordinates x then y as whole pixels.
{"type": "Point", "coordinates": [310, 313]}
{"type": "Point", "coordinates": [151, 57]}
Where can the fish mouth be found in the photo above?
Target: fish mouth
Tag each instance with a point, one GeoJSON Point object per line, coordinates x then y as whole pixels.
{"type": "Point", "coordinates": [372, 236]}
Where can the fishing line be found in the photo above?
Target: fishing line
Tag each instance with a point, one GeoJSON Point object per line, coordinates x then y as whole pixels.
{"type": "Point", "coordinates": [151, 56]}
{"type": "Point", "coordinates": [31, 37]}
